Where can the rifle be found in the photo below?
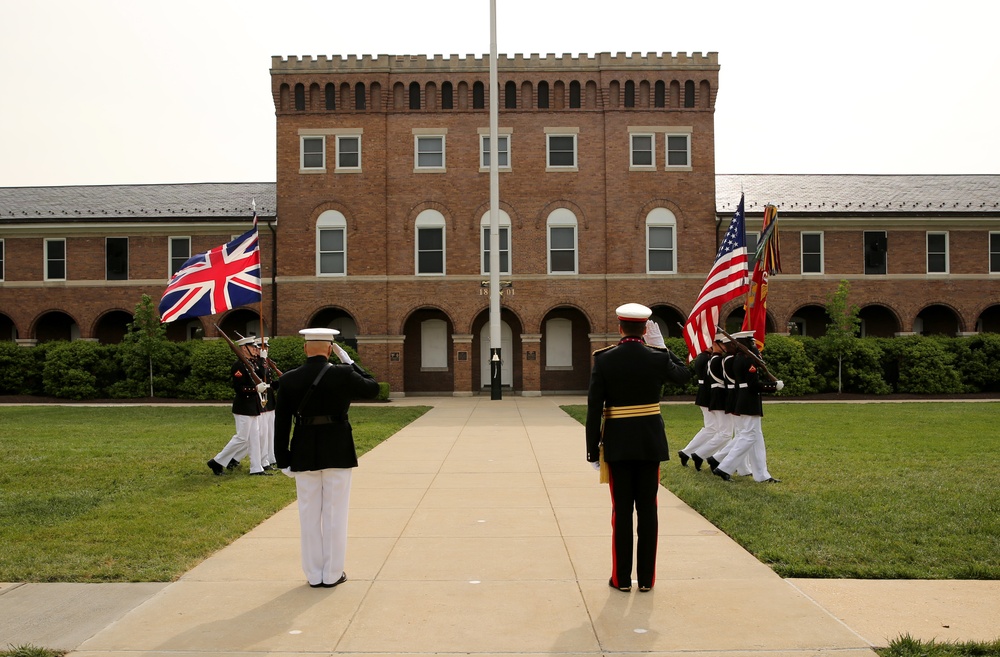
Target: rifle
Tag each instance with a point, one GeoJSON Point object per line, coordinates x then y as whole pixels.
{"type": "Point", "coordinates": [270, 363]}
{"type": "Point", "coordinates": [751, 355]}
{"type": "Point", "coordinates": [246, 363]}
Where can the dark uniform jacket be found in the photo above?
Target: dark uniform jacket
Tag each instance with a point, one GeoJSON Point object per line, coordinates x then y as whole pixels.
{"type": "Point", "coordinates": [730, 376]}
{"type": "Point", "coordinates": [323, 437]}
{"type": "Point", "coordinates": [629, 374]}
{"type": "Point", "coordinates": [700, 363]}
{"type": "Point", "coordinates": [717, 398]}
{"type": "Point", "coordinates": [750, 383]}
{"type": "Point", "coordinates": [246, 401]}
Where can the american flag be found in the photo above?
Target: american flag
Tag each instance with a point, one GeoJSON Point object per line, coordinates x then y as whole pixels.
{"type": "Point", "coordinates": [226, 277]}
{"type": "Point", "coordinates": [727, 280]}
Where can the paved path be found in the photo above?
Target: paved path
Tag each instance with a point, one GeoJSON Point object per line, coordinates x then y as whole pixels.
{"type": "Point", "coordinates": [479, 530]}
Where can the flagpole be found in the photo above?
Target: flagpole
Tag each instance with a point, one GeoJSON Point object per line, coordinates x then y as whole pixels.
{"type": "Point", "coordinates": [496, 361]}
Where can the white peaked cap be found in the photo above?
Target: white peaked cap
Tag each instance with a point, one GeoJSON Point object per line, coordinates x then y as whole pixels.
{"type": "Point", "coordinates": [250, 339]}
{"type": "Point", "coordinates": [633, 312]}
{"type": "Point", "coordinates": [319, 334]}
{"type": "Point", "coordinates": [743, 334]}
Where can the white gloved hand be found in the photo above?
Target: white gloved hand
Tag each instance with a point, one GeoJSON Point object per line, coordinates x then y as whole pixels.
{"type": "Point", "coordinates": [653, 335]}
{"type": "Point", "coordinates": [287, 472]}
{"type": "Point", "coordinates": [778, 385]}
{"type": "Point", "coordinates": [263, 354]}
{"type": "Point", "coordinates": [261, 387]}
{"type": "Point", "coordinates": [342, 355]}
{"type": "Point", "coordinates": [596, 464]}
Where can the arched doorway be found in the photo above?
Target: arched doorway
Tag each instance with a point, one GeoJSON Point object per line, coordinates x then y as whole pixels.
{"type": "Point", "coordinates": [191, 329]}
{"type": "Point", "coordinates": [510, 350]}
{"type": "Point", "coordinates": [8, 330]}
{"type": "Point", "coordinates": [878, 322]}
{"type": "Point", "coordinates": [989, 320]}
{"type": "Point", "coordinates": [937, 319]}
{"type": "Point", "coordinates": [565, 351]}
{"type": "Point", "coordinates": [56, 325]}
{"type": "Point", "coordinates": [669, 319]}
{"type": "Point", "coordinates": [427, 367]}
{"type": "Point", "coordinates": [241, 322]}
{"type": "Point", "coordinates": [810, 321]}
{"type": "Point", "coordinates": [112, 327]}
{"type": "Point", "coordinates": [341, 320]}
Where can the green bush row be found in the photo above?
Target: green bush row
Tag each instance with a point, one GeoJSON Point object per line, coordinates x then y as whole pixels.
{"type": "Point", "coordinates": [877, 366]}
{"type": "Point", "coordinates": [198, 369]}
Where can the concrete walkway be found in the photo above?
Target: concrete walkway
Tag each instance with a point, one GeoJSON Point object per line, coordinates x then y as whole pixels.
{"type": "Point", "coordinates": [479, 529]}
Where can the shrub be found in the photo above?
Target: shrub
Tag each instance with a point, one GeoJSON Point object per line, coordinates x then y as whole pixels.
{"type": "Point", "coordinates": [211, 363]}
{"type": "Point", "coordinates": [976, 360]}
{"type": "Point", "coordinates": [383, 391]}
{"type": "Point", "coordinates": [787, 360]}
{"type": "Point", "coordinates": [679, 347]}
{"type": "Point", "coordinates": [16, 364]}
{"type": "Point", "coordinates": [925, 366]}
{"type": "Point", "coordinates": [861, 370]}
{"type": "Point", "coordinates": [79, 370]}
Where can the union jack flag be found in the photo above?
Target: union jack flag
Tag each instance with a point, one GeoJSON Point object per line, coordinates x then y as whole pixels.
{"type": "Point", "coordinates": [727, 280]}
{"type": "Point", "coordinates": [226, 277]}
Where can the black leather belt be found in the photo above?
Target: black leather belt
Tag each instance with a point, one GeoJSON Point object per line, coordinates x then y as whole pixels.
{"type": "Point", "coordinates": [314, 420]}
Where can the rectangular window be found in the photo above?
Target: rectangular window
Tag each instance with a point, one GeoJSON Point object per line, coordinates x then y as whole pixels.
{"type": "Point", "coordinates": [661, 249]}
{"type": "Point", "coordinates": [348, 152]}
{"type": "Point", "coordinates": [812, 253]}
{"type": "Point", "coordinates": [751, 242]}
{"type": "Point", "coordinates": [678, 150]}
{"type": "Point", "coordinates": [180, 252]}
{"type": "Point", "coordinates": [561, 151]}
{"type": "Point", "coordinates": [313, 153]}
{"type": "Point", "coordinates": [116, 258]}
{"type": "Point", "coordinates": [876, 247]}
{"type": "Point", "coordinates": [55, 259]}
{"type": "Point", "coordinates": [562, 249]}
{"type": "Point", "coordinates": [1, 260]}
{"type": "Point", "coordinates": [430, 250]}
{"type": "Point", "coordinates": [332, 251]}
{"type": "Point", "coordinates": [937, 253]}
{"type": "Point", "coordinates": [559, 344]}
{"type": "Point", "coordinates": [642, 151]}
{"type": "Point", "coordinates": [994, 253]}
{"type": "Point", "coordinates": [434, 345]}
{"type": "Point", "coordinates": [430, 152]}
{"type": "Point", "coordinates": [504, 235]}
{"type": "Point", "coordinates": [503, 152]}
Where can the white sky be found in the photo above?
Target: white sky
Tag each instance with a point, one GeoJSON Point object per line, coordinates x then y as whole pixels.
{"type": "Point", "coordinates": [154, 91]}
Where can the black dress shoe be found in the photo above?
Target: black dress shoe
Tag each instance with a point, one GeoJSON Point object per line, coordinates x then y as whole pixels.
{"type": "Point", "coordinates": [722, 473]}
{"type": "Point", "coordinates": [343, 578]}
{"type": "Point", "coordinates": [645, 589]}
{"type": "Point", "coordinates": [712, 463]}
{"type": "Point", "coordinates": [697, 461]}
{"type": "Point", "coordinates": [216, 468]}
{"type": "Point", "coordinates": [233, 463]}
{"type": "Point", "coordinates": [623, 589]}
{"type": "Point", "coordinates": [260, 474]}
{"type": "Point", "coordinates": [317, 586]}
{"type": "Point", "coordinates": [772, 480]}
{"type": "Point", "coordinates": [268, 468]}
{"type": "Point", "coordinates": [684, 457]}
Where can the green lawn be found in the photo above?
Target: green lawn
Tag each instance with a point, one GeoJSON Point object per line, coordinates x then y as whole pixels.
{"type": "Point", "coordinates": [871, 491]}
{"type": "Point", "coordinates": [122, 494]}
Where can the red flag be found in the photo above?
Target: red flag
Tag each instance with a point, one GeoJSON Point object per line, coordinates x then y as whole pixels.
{"type": "Point", "coordinates": [726, 281]}
{"type": "Point", "coordinates": [768, 262]}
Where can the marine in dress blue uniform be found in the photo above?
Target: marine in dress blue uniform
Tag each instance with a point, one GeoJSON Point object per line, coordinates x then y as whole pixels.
{"type": "Point", "coordinates": [321, 453]}
{"type": "Point", "coordinates": [623, 417]}
{"type": "Point", "coordinates": [246, 413]}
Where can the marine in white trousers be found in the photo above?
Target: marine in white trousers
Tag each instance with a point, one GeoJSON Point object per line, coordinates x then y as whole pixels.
{"type": "Point", "coordinates": [748, 443]}
{"type": "Point", "coordinates": [246, 439]}
{"type": "Point", "coordinates": [323, 499]}
{"type": "Point", "coordinates": [267, 438]}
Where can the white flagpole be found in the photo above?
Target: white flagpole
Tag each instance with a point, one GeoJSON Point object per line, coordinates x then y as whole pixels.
{"type": "Point", "coordinates": [495, 356]}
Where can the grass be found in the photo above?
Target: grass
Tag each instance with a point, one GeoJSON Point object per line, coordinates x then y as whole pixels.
{"type": "Point", "coordinates": [123, 494]}
{"type": "Point", "coordinates": [906, 646]}
{"type": "Point", "coordinates": [869, 491]}
{"type": "Point", "coordinates": [28, 650]}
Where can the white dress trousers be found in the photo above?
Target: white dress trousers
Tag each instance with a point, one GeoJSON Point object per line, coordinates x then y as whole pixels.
{"type": "Point", "coordinates": [246, 440]}
{"type": "Point", "coordinates": [324, 499]}
{"type": "Point", "coordinates": [749, 442]}
{"type": "Point", "coordinates": [267, 438]}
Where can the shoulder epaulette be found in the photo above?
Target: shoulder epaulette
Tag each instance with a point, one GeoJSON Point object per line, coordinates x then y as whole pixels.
{"type": "Point", "coordinates": [663, 349]}
{"type": "Point", "coordinates": [603, 349]}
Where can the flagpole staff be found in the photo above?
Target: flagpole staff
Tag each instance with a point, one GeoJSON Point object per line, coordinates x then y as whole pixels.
{"type": "Point", "coordinates": [246, 363]}
{"type": "Point", "coordinates": [496, 360]}
{"type": "Point", "coordinates": [751, 355]}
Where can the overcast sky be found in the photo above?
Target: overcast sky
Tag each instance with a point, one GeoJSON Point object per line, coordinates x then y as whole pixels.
{"type": "Point", "coordinates": [152, 91]}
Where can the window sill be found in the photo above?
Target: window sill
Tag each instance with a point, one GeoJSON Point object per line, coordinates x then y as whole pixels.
{"type": "Point", "coordinates": [311, 170]}
{"type": "Point", "coordinates": [430, 170]}
{"type": "Point", "coordinates": [347, 170]}
{"type": "Point", "coordinates": [561, 169]}
{"type": "Point", "coordinates": [679, 168]}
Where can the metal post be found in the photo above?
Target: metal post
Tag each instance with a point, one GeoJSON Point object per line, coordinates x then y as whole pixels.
{"type": "Point", "coordinates": [495, 356]}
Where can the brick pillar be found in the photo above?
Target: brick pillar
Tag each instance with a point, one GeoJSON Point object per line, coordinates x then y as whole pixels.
{"type": "Point", "coordinates": [531, 364]}
{"type": "Point", "coordinates": [383, 355]}
{"type": "Point", "coordinates": [462, 358]}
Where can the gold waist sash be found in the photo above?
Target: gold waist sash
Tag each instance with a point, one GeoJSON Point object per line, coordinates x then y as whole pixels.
{"type": "Point", "coordinates": [638, 410]}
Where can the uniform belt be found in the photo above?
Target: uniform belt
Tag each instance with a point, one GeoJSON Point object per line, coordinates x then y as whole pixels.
{"type": "Point", "coordinates": [638, 410]}
{"type": "Point", "coordinates": [313, 420]}
{"type": "Point", "coordinates": [701, 381]}
{"type": "Point", "coordinates": [718, 385]}
{"type": "Point", "coordinates": [744, 385]}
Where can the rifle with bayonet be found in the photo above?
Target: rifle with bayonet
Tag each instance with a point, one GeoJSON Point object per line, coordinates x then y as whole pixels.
{"type": "Point", "coordinates": [247, 364]}
{"type": "Point", "coordinates": [751, 355]}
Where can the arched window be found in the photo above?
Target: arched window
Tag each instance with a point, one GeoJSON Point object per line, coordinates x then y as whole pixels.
{"type": "Point", "coordinates": [689, 93]}
{"type": "Point", "coordinates": [503, 225]}
{"type": "Point", "coordinates": [543, 95]}
{"type": "Point", "coordinates": [661, 242]}
{"type": "Point", "coordinates": [429, 243]}
{"type": "Point", "coordinates": [331, 96]}
{"type": "Point", "coordinates": [300, 97]}
{"type": "Point", "coordinates": [414, 95]}
{"type": "Point", "coordinates": [478, 95]}
{"type": "Point", "coordinates": [447, 96]}
{"type": "Point", "coordinates": [629, 93]}
{"type": "Point", "coordinates": [660, 94]}
{"type": "Point", "coordinates": [574, 95]}
{"type": "Point", "coordinates": [331, 244]}
{"type": "Point", "coordinates": [360, 102]}
{"type": "Point", "coordinates": [510, 95]}
{"type": "Point", "coordinates": [562, 257]}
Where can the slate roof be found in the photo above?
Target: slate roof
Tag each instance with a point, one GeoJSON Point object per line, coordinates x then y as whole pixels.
{"type": "Point", "coordinates": [136, 202]}
{"type": "Point", "coordinates": [860, 195]}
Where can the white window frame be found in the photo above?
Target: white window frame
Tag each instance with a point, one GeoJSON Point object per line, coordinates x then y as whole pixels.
{"type": "Point", "coordinates": [989, 252]}
{"type": "Point", "coordinates": [433, 345]}
{"type": "Point", "coordinates": [503, 152]}
{"type": "Point", "coordinates": [562, 218]}
{"type": "Point", "coordinates": [667, 151]}
{"type": "Point", "coordinates": [340, 168]}
{"type": "Point", "coordinates": [302, 154]}
{"type": "Point", "coordinates": [661, 218]}
{"type": "Point", "coordinates": [551, 133]}
{"type": "Point", "coordinates": [802, 253]}
{"type": "Point", "coordinates": [946, 254]}
{"type": "Point", "coordinates": [632, 151]}
{"type": "Point", "coordinates": [503, 223]}
{"type": "Point", "coordinates": [47, 260]}
{"type": "Point", "coordinates": [333, 221]}
{"type": "Point", "coordinates": [422, 136]}
{"type": "Point", "coordinates": [127, 259]}
{"type": "Point", "coordinates": [430, 220]}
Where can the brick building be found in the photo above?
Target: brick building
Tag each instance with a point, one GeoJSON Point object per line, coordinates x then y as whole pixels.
{"type": "Point", "coordinates": [608, 193]}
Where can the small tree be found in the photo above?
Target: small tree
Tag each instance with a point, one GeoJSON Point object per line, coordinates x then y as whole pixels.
{"type": "Point", "coordinates": [844, 326]}
{"type": "Point", "coordinates": [145, 339]}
